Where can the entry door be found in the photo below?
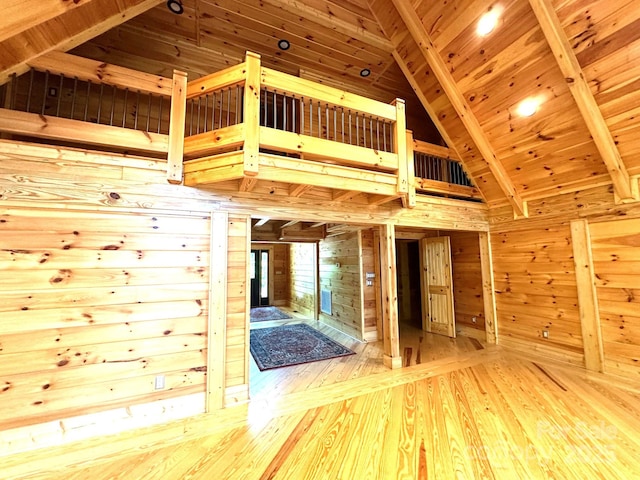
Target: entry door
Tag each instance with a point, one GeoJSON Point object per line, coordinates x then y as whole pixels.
{"type": "Point", "coordinates": [259, 278]}
{"type": "Point", "coordinates": [437, 286]}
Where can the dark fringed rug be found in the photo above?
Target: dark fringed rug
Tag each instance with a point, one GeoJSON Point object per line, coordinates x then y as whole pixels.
{"type": "Point", "coordinates": [265, 314]}
{"type": "Point", "coordinates": [276, 347]}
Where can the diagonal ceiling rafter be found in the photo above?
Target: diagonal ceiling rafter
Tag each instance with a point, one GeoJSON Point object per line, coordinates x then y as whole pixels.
{"type": "Point", "coordinates": [62, 29]}
{"type": "Point", "coordinates": [584, 99]}
{"type": "Point", "coordinates": [421, 37]}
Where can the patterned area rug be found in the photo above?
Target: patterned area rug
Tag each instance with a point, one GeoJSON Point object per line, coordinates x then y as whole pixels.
{"type": "Point", "coordinates": [276, 347]}
{"type": "Point", "coordinates": [265, 314]}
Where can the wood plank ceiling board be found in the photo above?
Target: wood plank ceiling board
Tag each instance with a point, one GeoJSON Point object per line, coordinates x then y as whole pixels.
{"type": "Point", "coordinates": [330, 41]}
{"type": "Point", "coordinates": [418, 31]}
{"type": "Point", "coordinates": [572, 71]}
{"type": "Point", "coordinates": [68, 29]}
{"type": "Point", "coordinates": [605, 37]}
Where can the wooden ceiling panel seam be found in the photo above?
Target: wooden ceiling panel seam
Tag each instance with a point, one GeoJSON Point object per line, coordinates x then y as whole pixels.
{"type": "Point", "coordinates": [438, 67]}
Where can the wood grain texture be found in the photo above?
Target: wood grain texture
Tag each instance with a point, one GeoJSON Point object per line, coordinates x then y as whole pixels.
{"type": "Point", "coordinates": [485, 414]}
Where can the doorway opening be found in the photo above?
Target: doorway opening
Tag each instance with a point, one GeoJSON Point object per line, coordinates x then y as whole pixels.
{"type": "Point", "coordinates": [259, 274]}
{"type": "Point", "coordinates": [408, 273]}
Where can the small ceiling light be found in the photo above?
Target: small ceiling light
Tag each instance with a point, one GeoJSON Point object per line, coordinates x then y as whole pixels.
{"type": "Point", "coordinates": [528, 107]}
{"type": "Point", "coordinates": [365, 72]}
{"type": "Point", "coordinates": [175, 6]}
{"type": "Point", "coordinates": [284, 44]}
{"type": "Point", "coordinates": [488, 22]}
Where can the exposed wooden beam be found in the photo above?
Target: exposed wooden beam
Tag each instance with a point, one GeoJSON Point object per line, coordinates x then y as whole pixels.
{"type": "Point", "coordinates": [342, 195]}
{"type": "Point", "coordinates": [261, 222]}
{"type": "Point", "coordinates": [73, 27]}
{"type": "Point", "coordinates": [289, 224]}
{"type": "Point", "coordinates": [316, 225]}
{"type": "Point", "coordinates": [378, 200]}
{"type": "Point", "coordinates": [299, 190]}
{"type": "Point", "coordinates": [574, 76]}
{"type": "Point", "coordinates": [247, 184]}
{"type": "Point", "coordinates": [420, 35]}
{"type": "Point", "coordinates": [389, 294]}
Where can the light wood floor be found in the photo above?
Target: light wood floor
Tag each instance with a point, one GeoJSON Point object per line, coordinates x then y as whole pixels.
{"type": "Point", "coordinates": [481, 414]}
{"type": "Point", "coordinates": [416, 346]}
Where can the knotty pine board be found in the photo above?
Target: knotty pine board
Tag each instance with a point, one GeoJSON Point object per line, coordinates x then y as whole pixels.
{"type": "Point", "coordinates": [340, 274]}
{"type": "Point", "coordinates": [302, 278]}
{"type": "Point", "coordinates": [467, 279]}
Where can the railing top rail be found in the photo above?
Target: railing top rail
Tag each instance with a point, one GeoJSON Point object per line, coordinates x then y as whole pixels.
{"type": "Point", "coordinates": [285, 83]}
{"type": "Point", "coordinates": [85, 69]}
{"type": "Point", "coordinates": [217, 81]}
{"type": "Point", "coordinates": [435, 150]}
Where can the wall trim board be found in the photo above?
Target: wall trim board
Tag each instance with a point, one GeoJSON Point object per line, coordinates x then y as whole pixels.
{"type": "Point", "coordinates": [587, 296]}
{"type": "Point", "coordinates": [216, 356]}
{"type": "Point", "coordinates": [488, 288]}
{"type": "Point", "coordinates": [56, 433]}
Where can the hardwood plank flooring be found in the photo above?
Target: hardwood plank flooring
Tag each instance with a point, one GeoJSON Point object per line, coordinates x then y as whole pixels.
{"type": "Point", "coordinates": [481, 414]}
{"type": "Point", "coordinates": [416, 347]}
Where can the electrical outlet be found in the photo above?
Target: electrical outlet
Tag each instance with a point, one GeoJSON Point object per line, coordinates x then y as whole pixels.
{"type": "Point", "coordinates": [545, 333]}
{"type": "Point", "coordinates": [474, 319]}
{"type": "Point", "coordinates": [159, 383]}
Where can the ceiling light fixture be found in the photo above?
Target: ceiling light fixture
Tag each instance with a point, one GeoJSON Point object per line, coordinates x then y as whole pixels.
{"type": "Point", "coordinates": [528, 107]}
{"type": "Point", "coordinates": [284, 44]}
{"type": "Point", "coordinates": [488, 22]}
{"type": "Point", "coordinates": [175, 6]}
{"type": "Point", "coordinates": [365, 72]}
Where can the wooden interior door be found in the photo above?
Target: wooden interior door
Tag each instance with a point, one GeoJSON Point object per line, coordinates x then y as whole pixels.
{"type": "Point", "coordinates": [437, 286]}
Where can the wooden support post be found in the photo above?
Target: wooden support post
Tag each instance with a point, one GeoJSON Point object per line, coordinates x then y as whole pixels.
{"type": "Point", "coordinates": [176, 127]}
{"type": "Point", "coordinates": [388, 281]}
{"type": "Point", "coordinates": [587, 296]}
{"type": "Point", "coordinates": [400, 141]}
{"type": "Point", "coordinates": [410, 201]}
{"type": "Point", "coordinates": [251, 113]}
{"type": "Point", "coordinates": [216, 334]}
{"type": "Point", "coordinates": [488, 290]}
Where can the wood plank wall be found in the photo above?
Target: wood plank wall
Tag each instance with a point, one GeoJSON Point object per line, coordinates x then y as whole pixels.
{"type": "Point", "coordinates": [536, 288]}
{"type": "Point", "coordinates": [467, 282]}
{"type": "Point", "coordinates": [94, 306]}
{"type": "Point", "coordinates": [616, 259]}
{"type": "Point", "coordinates": [104, 285]}
{"type": "Point", "coordinates": [340, 269]}
{"type": "Point", "coordinates": [302, 278]}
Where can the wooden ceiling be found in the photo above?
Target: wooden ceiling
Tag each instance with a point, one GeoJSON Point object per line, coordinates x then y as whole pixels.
{"type": "Point", "coordinates": [580, 58]}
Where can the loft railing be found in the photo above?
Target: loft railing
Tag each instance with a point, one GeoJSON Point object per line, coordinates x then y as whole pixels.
{"type": "Point", "coordinates": [280, 127]}
{"type": "Point", "coordinates": [438, 170]}
{"type": "Point", "coordinates": [72, 99]}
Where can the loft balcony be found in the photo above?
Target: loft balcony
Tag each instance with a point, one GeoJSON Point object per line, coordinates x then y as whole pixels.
{"type": "Point", "coordinates": [238, 127]}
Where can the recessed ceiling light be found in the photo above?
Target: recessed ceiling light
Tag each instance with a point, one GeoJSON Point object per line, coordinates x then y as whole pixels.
{"type": "Point", "coordinates": [284, 44]}
{"type": "Point", "coordinates": [365, 72]}
{"type": "Point", "coordinates": [175, 6]}
{"type": "Point", "coordinates": [488, 22]}
{"type": "Point", "coordinates": [528, 107]}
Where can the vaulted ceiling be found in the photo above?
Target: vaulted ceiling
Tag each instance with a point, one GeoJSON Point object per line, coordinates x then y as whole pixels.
{"type": "Point", "coordinates": [579, 59]}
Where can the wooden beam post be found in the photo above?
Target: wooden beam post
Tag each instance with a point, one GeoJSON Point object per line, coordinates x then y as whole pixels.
{"type": "Point", "coordinates": [400, 141]}
{"type": "Point", "coordinates": [411, 173]}
{"type": "Point", "coordinates": [488, 289]}
{"type": "Point", "coordinates": [587, 296]}
{"type": "Point", "coordinates": [217, 325]}
{"type": "Point", "coordinates": [251, 113]}
{"type": "Point", "coordinates": [178, 114]}
{"type": "Point", "coordinates": [420, 35]}
{"type": "Point", "coordinates": [389, 293]}
{"type": "Point", "coordinates": [579, 88]}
